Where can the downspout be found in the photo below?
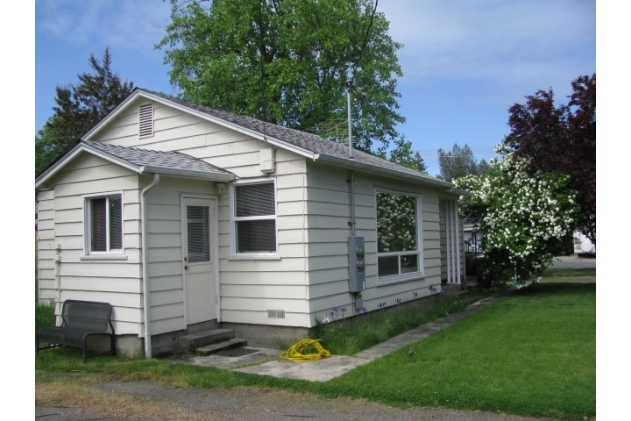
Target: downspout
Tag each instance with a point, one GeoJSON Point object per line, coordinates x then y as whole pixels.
{"type": "Point", "coordinates": [145, 268]}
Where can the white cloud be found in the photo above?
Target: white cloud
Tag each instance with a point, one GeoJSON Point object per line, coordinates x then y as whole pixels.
{"type": "Point", "coordinates": [123, 25]}
{"type": "Point", "coordinates": [510, 41]}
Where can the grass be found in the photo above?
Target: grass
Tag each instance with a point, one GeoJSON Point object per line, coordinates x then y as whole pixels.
{"type": "Point", "coordinates": [568, 272]}
{"type": "Point", "coordinates": [532, 354]}
{"type": "Point", "coordinates": [44, 316]}
{"type": "Point", "coordinates": [347, 337]}
{"type": "Point", "coordinates": [80, 395]}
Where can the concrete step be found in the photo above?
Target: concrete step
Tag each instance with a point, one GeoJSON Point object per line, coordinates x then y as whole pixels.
{"type": "Point", "coordinates": [207, 337]}
{"type": "Point", "coordinates": [221, 346]}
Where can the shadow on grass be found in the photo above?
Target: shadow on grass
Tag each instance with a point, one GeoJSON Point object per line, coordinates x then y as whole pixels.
{"type": "Point", "coordinates": [557, 288]}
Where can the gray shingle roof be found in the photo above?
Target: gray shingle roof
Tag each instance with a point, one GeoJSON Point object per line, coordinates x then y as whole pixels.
{"type": "Point", "coordinates": [307, 141]}
{"type": "Point", "coordinates": [157, 159]}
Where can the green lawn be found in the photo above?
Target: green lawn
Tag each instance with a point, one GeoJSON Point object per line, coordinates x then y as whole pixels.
{"type": "Point", "coordinates": [532, 353]}
{"type": "Point", "coordinates": [568, 272]}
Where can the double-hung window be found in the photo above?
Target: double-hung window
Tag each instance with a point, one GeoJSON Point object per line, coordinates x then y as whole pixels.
{"type": "Point", "coordinates": [254, 218]}
{"type": "Point", "coordinates": [104, 224]}
{"type": "Point", "coordinates": [399, 241]}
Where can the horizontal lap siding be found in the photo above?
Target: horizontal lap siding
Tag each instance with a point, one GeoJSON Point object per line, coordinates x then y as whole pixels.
{"type": "Point", "coordinates": [164, 251]}
{"type": "Point", "coordinates": [328, 203]}
{"type": "Point", "coordinates": [46, 245]}
{"type": "Point", "coordinates": [243, 282]}
{"type": "Point", "coordinates": [251, 287]}
{"type": "Point", "coordinates": [117, 282]}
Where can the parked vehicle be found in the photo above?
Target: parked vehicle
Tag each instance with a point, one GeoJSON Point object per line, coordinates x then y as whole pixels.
{"type": "Point", "coordinates": [583, 245]}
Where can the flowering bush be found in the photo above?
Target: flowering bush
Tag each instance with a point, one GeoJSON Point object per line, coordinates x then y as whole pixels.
{"type": "Point", "coordinates": [524, 218]}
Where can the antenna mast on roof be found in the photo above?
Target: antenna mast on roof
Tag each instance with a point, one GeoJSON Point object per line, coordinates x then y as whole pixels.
{"type": "Point", "coordinates": [349, 86]}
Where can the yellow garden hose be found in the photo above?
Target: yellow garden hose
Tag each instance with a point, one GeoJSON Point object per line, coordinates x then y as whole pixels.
{"type": "Point", "coordinates": [294, 353]}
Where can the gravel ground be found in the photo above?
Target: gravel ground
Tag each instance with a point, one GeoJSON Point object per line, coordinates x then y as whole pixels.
{"type": "Point", "coordinates": [260, 404]}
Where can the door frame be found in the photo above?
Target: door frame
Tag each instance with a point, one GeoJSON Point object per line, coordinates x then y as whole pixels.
{"type": "Point", "coordinates": [214, 249]}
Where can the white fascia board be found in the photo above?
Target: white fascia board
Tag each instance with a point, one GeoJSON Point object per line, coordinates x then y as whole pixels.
{"type": "Point", "coordinates": [202, 175]}
{"type": "Point", "coordinates": [271, 140]}
{"type": "Point", "coordinates": [378, 170]}
{"type": "Point", "coordinates": [50, 172]}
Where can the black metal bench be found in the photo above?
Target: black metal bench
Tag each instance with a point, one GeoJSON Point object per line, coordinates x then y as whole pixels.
{"type": "Point", "coordinates": [80, 320]}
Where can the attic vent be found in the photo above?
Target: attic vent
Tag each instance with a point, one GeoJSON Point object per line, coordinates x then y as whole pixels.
{"type": "Point", "coordinates": [145, 120]}
{"type": "Point", "coordinates": [275, 314]}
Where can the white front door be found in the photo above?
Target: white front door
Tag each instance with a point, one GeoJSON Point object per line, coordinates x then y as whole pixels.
{"type": "Point", "coordinates": [197, 232]}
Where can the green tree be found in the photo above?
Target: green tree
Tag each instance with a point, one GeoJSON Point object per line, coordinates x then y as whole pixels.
{"type": "Point", "coordinates": [287, 62]}
{"type": "Point", "coordinates": [403, 155]}
{"type": "Point", "coordinates": [525, 217]}
{"type": "Point", "coordinates": [79, 107]}
{"type": "Point", "coordinates": [459, 162]}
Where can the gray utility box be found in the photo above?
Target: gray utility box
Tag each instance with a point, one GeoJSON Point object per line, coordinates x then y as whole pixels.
{"type": "Point", "coordinates": [356, 264]}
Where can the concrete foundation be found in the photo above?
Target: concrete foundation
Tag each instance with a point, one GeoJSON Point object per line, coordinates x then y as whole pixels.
{"type": "Point", "coordinates": [164, 344]}
{"type": "Point", "coordinates": [129, 345]}
{"type": "Point", "coordinates": [169, 343]}
{"type": "Point", "coordinates": [266, 336]}
{"type": "Point", "coordinates": [262, 336]}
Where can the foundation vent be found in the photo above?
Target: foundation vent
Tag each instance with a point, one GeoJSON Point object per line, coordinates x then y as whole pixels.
{"type": "Point", "coordinates": [275, 314]}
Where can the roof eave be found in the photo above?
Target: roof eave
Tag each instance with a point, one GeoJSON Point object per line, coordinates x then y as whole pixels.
{"type": "Point", "coordinates": [72, 154]}
{"type": "Point", "coordinates": [371, 168]}
{"type": "Point", "coordinates": [176, 172]}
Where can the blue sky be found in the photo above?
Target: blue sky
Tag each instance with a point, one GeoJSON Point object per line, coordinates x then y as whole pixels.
{"type": "Point", "coordinates": [464, 62]}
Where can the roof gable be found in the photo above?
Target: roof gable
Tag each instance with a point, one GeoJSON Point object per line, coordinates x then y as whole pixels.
{"type": "Point", "coordinates": [141, 161]}
{"type": "Point", "coordinates": [306, 144]}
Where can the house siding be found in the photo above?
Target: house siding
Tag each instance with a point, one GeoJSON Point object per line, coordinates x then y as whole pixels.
{"type": "Point", "coordinates": [164, 250]}
{"type": "Point", "coordinates": [328, 209]}
{"type": "Point", "coordinates": [248, 288]}
{"type": "Point", "coordinates": [62, 222]}
{"type": "Point", "coordinates": [46, 246]}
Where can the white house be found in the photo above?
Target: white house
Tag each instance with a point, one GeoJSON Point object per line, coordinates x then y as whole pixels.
{"type": "Point", "coordinates": [193, 218]}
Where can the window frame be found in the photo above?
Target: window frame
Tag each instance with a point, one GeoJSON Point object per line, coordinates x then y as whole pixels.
{"type": "Point", "coordinates": [419, 252]}
{"type": "Point", "coordinates": [262, 255]}
{"type": "Point", "coordinates": [112, 254]}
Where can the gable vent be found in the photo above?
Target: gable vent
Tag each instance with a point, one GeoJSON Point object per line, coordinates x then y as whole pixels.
{"type": "Point", "coordinates": [145, 120]}
{"type": "Point", "coordinates": [275, 314]}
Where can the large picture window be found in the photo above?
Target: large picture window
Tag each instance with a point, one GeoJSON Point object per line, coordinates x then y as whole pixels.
{"type": "Point", "coordinates": [255, 218]}
{"type": "Point", "coordinates": [104, 224]}
{"type": "Point", "coordinates": [398, 235]}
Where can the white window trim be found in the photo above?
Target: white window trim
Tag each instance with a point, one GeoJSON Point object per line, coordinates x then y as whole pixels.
{"type": "Point", "coordinates": [410, 276]}
{"type": "Point", "coordinates": [117, 254]}
{"type": "Point", "coordinates": [234, 219]}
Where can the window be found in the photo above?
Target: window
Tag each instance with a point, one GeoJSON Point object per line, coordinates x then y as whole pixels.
{"type": "Point", "coordinates": [399, 255]}
{"type": "Point", "coordinates": [104, 224]}
{"type": "Point", "coordinates": [254, 218]}
{"type": "Point", "coordinates": [197, 233]}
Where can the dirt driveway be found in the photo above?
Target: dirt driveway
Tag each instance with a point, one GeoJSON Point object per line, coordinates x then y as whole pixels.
{"type": "Point", "coordinates": [132, 401]}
